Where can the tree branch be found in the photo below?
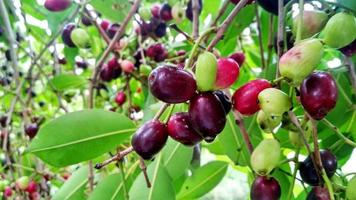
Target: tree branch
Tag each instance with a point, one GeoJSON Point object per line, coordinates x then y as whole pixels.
{"type": "Point", "coordinates": [195, 8]}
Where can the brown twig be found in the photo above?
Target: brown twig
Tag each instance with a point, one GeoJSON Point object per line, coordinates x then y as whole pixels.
{"type": "Point", "coordinates": [144, 170]}
{"type": "Point", "coordinates": [258, 20]}
{"type": "Point", "coordinates": [226, 23]}
{"type": "Point", "coordinates": [245, 135]}
{"type": "Point", "coordinates": [221, 13]}
{"type": "Point", "coordinates": [195, 8]}
{"type": "Point", "coordinates": [117, 157]}
{"type": "Point", "coordinates": [161, 111]}
{"type": "Point", "coordinates": [280, 34]}
{"type": "Point", "coordinates": [107, 51]}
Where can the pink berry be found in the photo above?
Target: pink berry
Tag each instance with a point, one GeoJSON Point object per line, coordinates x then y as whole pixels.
{"type": "Point", "coordinates": [32, 187]}
{"type": "Point", "coordinates": [8, 192]}
{"type": "Point", "coordinates": [239, 57]}
{"type": "Point", "coordinates": [155, 10]}
{"type": "Point", "coordinates": [127, 66]}
{"type": "Point", "coordinates": [105, 24]}
{"type": "Point", "coordinates": [227, 74]}
{"type": "Point", "coordinates": [57, 5]}
{"type": "Point", "coordinates": [120, 98]}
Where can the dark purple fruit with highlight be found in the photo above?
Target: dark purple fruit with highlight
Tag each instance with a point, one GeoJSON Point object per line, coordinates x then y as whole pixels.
{"type": "Point", "coordinates": [318, 193]}
{"type": "Point", "coordinates": [224, 99]}
{"type": "Point", "coordinates": [157, 52]}
{"type": "Point", "coordinates": [149, 139]}
{"type": "Point", "coordinates": [265, 188]}
{"type": "Point", "coordinates": [172, 85]}
{"type": "Point", "coordinates": [112, 29]}
{"type": "Point", "coordinates": [166, 12]}
{"type": "Point", "coordinates": [82, 64]}
{"type": "Point", "coordinates": [239, 57]}
{"type": "Point", "coordinates": [31, 130]}
{"type": "Point", "coordinates": [349, 50]}
{"type": "Point", "coordinates": [67, 30]}
{"type": "Point", "coordinates": [207, 115]}
{"type": "Point", "coordinates": [57, 5]}
{"type": "Point", "coordinates": [180, 129]}
{"type": "Point", "coordinates": [86, 21]}
{"type": "Point", "coordinates": [318, 94]}
{"type": "Point", "coordinates": [161, 30]}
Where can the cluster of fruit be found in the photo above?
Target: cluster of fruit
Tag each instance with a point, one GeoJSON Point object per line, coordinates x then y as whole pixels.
{"type": "Point", "coordinates": [208, 105]}
{"type": "Point", "coordinates": [22, 184]}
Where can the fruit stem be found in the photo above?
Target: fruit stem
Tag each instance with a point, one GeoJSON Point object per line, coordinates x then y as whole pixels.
{"type": "Point", "coordinates": [117, 157]}
{"type": "Point", "coordinates": [161, 111]}
{"type": "Point", "coordinates": [122, 173]}
{"type": "Point", "coordinates": [338, 132]}
{"type": "Point", "coordinates": [195, 8]}
{"type": "Point", "coordinates": [196, 45]}
{"type": "Point", "coordinates": [246, 137]}
{"type": "Point", "coordinates": [300, 22]}
{"type": "Point", "coordinates": [296, 167]}
{"type": "Point", "coordinates": [328, 184]}
{"type": "Point", "coordinates": [144, 170]}
{"type": "Point", "coordinates": [280, 33]}
{"type": "Point", "coordinates": [351, 67]}
{"type": "Point", "coordinates": [169, 113]}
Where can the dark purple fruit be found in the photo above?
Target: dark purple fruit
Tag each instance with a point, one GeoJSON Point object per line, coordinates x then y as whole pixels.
{"type": "Point", "coordinates": [155, 11]}
{"type": "Point", "coordinates": [86, 21]}
{"type": "Point", "coordinates": [308, 172]}
{"type": "Point", "coordinates": [67, 30]}
{"type": "Point", "coordinates": [31, 130]}
{"type": "Point", "coordinates": [271, 5]}
{"type": "Point", "coordinates": [8, 55]}
{"type": "Point", "coordinates": [82, 64]}
{"type": "Point", "coordinates": [189, 10]}
{"type": "Point", "coordinates": [166, 12]}
{"type": "Point", "coordinates": [106, 73]}
{"type": "Point", "coordinates": [57, 5]}
{"type": "Point", "coordinates": [161, 30]}
{"type": "Point", "coordinates": [349, 50]}
{"type": "Point", "coordinates": [157, 52]}
{"type": "Point", "coordinates": [224, 99]}
{"type": "Point", "coordinates": [62, 61]}
{"type": "Point", "coordinates": [207, 115]}
{"type": "Point", "coordinates": [179, 128]}
{"type": "Point", "coordinates": [318, 193]}
{"type": "Point", "coordinates": [149, 139]}
{"type": "Point", "coordinates": [265, 188]}
{"type": "Point", "coordinates": [1, 31]}
{"type": "Point", "coordinates": [3, 120]}
{"type": "Point", "coordinates": [172, 85]}
{"type": "Point", "coordinates": [112, 29]}
{"type": "Point", "coordinates": [318, 94]}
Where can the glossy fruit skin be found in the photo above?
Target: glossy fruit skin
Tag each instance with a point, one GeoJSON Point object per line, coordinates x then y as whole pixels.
{"type": "Point", "coordinates": [106, 73]}
{"type": "Point", "coordinates": [86, 21]}
{"type": "Point", "coordinates": [189, 10]}
{"type": "Point", "coordinates": [340, 30]}
{"type": "Point", "coordinates": [32, 187]}
{"type": "Point", "coordinates": [166, 12]}
{"type": "Point", "coordinates": [80, 38]}
{"type": "Point", "coordinates": [227, 73]}
{"type": "Point", "coordinates": [239, 57]}
{"type": "Point", "coordinates": [157, 52]}
{"type": "Point", "coordinates": [264, 188]}
{"type": "Point", "coordinates": [179, 128]}
{"type": "Point", "coordinates": [313, 23]}
{"type": "Point", "coordinates": [206, 71]}
{"type": "Point", "coordinates": [274, 102]}
{"type": "Point", "coordinates": [318, 94]}
{"type": "Point", "coordinates": [301, 60]}
{"type": "Point", "coordinates": [318, 193]}
{"type": "Point", "coordinates": [308, 172]}
{"type": "Point", "coordinates": [120, 98]}
{"type": "Point", "coordinates": [270, 5]}
{"type": "Point", "coordinates": [112, 29]}
{"type": "Point", "coordinates": [22, 182]}
{"type": "Point", "coordinates": [149, 139]}
{"type": "Point", "coordinates": [349, 50]}
{"type": "Point", "coordinates": [178, 13]}
{"type": "Point", "coordinates": [350, 189]}
{"type": "Point", "coordinates": [161, 30]}
{"type": "Point", "coordinates": [127, 66]}
{"type": "Point", "coordinates": [245, 99]}
{"type": "Point", "coordinates": [172, 85]}
{"type": "Point", "coordinates": [66, 33]}
{"type": "Point", "coordinates": [207, 115]}
{"type": "Point", "coordinates": [265, 157]}
{"type": "Point", "coordinates": [266, 122]}
{"type": "Point", "coordinates": [57, 5]}
{"type": "Point", "coordinates": [224, 99]}
{"type": "Point", "coordinates": [31, 130]}
{"type": "Point", "coordinates": [105, 24]}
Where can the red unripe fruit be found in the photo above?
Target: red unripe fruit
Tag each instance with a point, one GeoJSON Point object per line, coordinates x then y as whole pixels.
{"type": "Point", "coordinates": [245, 99]}
{"type": "Point", "coordinates": [35, 196]}
{"type": "Point", "coordinates": [32, 187]}
{"type": "Point", "coordinates": [57, 5]}
{"type": "Point", "coordinates": [239, 57]}
{"type": "Point", "coordinates": [127, 66]}
{"type": "Point", "coordinates": [105, 24]}
{"type": "Point", "coordinates": [179, 128]}
{"type": "Point", "coordinates": [113, 63]}
{"type": "Point", "coordinates": [227, 73]}
{"type": "Point", "coordinates": [157, 52]}
{"type": "Point", "coordinates": [120, 98]}
{"type": "Point", "coordinates": [155, 11]}
{"type": "Point", "coordinates": [318, 94]}
{"type": "Point", "coordinates": [66, 175]}
{"type": "Point", "coordinates": [8, 192]}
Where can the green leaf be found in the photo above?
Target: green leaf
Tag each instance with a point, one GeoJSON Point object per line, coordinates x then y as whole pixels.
{"type": "Point", "coordinates": [203, 180]}
{"type": "Point", "coordinates": [161, 183]}
{"type": "Point", "coordinates": [56, 18]}
{"type": "Point", "coordinates": [115, 10]}
{"type": "Point", "coordinates": [66, 81]}
{"type": "Point", "coordinates": [74, 187]}
{"type": "Point", "coordinates": [176, 158]}
{"type": "Point", "coordinates": [80, 136]}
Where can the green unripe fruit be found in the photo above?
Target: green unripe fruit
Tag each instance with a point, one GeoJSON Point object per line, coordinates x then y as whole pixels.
{"type": "Point", "coordinates": [138, 99]}
{"type": "Point", "coordinates": [295, 137]}
{"type": "Point", "coordinates": [274, 102]}
{"type": "Point", "coordinates": [178, 12]}
{"type": "Point", "coordinates": [265, 157]}
{"type": "Point", "coordinates": [22, 182]}
{"type": "Point", "coordinates": [266, 122]}
{"type": "Point", "coordinates": [340, 30]}
{"type": "Point", "coordinates": [145, 70]}
{"type": "Point", "coordinates": [3, 184]}
{"type": "Point", "coordinates": [297, 63]}
{"type": "Point", "coordinates": [313, 23]}
{"type": "Point", "coordinates": [205, 71]}
{"type": "Point", "coordinates": [80, 38]}
{"type": "Point", "coordinates": [350, 189]}
{"type": "Point", "coordinates": [145, 13]}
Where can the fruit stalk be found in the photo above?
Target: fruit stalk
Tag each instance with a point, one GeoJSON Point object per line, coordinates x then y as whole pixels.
{"type": "Point", "coordinates": [280, 33]}
{"type": "Point", "coordinates": [338, 132]}
{"type": "Point", "coordinates": [101, 30]}
{"type": "Point", "coordinates": [144, 170]}
{"type": "Point", "coordinates": [328, 184]}
{"type": "Point", "coordinates": [296, 167]}
{"type": "Point", "coordinates": [117, 157]}
{"type": "Point", "coordinates": [195, 8]}
{"type": "Point", "coordinates": [300, 22]}
{"type": "Point", "coordinates": [226, 23]}
{"type": "Point", "coordinates": [241, 125]}
{"type": "Point", "coordinates": [221, 12]}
